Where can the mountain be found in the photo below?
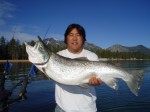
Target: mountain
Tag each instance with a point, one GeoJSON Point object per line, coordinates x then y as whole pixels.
{"type": "Point", "coordinates": [54, 42]}
{"type": "Point", "coordinates": [91, 46]}
{"type": "Point", "coordinates": [138, 48]}
{"type": "Point", "coordinates": [114, 48]}
{"type": "Point", "coordinates": [118, 48]}
{"type": "Point", "coordinates": [57, 42]}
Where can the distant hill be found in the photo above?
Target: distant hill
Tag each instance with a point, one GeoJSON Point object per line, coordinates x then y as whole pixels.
{"type": "Point", "coordinates": [57, 42]}
{"type": "Point", "coordinates": [138, 48]}
{"type": "Point", "coordinates": [93, 47]}
{"type": "Point", "coordinates": [54, 42]}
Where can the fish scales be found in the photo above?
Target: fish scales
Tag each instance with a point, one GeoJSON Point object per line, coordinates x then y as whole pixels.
{"type": "Point", "coordinates": [78, 72]}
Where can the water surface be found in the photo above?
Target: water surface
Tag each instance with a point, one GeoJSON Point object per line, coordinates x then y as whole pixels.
{"type": "Point", "coordinates": [40, 92]}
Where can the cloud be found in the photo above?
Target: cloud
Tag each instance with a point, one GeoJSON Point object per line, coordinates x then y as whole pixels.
{"type": "Point", "coordinates": [22, 36]}
{"type": "Point", "coordinates": [18, 36]}
{"type": "Point", "coordinates": [21, 32]}
{"type": "Point", "coordinates": [6, 11]}
{"type": "Point", "coordinates": [25, 37]}
{"type": "Point", "coordinates": [16, 28]}
{"type": "Point", "coordinates": [56, 36]}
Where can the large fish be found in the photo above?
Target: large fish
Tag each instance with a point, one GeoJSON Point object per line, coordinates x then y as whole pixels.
{"type": "Point", "coordinates": [77, 71]}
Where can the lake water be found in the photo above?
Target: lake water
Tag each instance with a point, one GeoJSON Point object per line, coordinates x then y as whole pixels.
{"type": "Point", "coordinates": [40, 92]}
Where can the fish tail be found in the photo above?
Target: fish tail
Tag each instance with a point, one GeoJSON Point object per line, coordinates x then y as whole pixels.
{"type": "Point", "coordinates": [135, 81]}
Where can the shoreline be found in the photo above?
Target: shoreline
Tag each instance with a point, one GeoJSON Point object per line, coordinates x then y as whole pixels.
{"type": "Point", "coordinates": [133, 59]}
{"type": "Point", "coordinates": [15, 60]}
{"type": "Point", "coordinates": [100, 59]}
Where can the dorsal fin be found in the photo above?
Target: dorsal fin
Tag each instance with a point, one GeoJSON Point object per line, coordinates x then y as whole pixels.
{"type": "Point", "coordinates": [82, 59]}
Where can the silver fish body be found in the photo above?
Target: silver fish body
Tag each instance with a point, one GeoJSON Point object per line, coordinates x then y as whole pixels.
{"type": "Point", "coordinates": [78, 72]}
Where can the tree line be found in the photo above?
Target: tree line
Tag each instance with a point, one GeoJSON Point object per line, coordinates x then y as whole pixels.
{"type": "Point", "coordinates": [14, 50]}
{"type": "Point", "coordinates": [122, 55]}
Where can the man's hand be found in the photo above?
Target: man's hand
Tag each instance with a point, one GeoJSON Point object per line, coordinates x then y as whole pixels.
{"type": "Point", "coordinates": [95, 81]}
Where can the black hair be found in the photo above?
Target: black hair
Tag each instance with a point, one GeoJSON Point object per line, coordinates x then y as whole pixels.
{"type": "Point", "coordinates": [79, 28]}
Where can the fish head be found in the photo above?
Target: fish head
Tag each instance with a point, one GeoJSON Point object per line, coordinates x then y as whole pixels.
{"type": "Point", "coordinates": [37, 54]}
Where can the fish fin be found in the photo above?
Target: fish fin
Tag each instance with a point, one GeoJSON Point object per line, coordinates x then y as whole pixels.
{"type": "Point", "coordinates": [113, 83]}
{"type": "Point", "coordinates": [135, 81]}
{"type": "Point", "coordinates": [82, 59]}
{"type": "Point", "coordinates": [117, 64]}
{"type": "Point", "coordinates": [86, 86]}
{"type": "Point", "coordinates": [135, 72]}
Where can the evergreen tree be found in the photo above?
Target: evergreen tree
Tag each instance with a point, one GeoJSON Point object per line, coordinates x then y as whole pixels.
{"type": "Point", "coordinates": [12, 48]}
{"type": "Point", "coordinates": [3, 50]}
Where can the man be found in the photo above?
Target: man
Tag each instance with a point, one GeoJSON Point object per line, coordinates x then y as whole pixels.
{"type": "Point", "coordinates": [76, 98]}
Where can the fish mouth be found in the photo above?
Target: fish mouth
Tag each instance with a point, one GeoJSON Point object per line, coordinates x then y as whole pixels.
{"type": "Point", "coordinates": [37, 54]}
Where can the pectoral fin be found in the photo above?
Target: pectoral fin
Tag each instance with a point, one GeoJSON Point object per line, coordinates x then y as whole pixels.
{"type": "Point", "coordinates": [82, 59]}
{"type": "Point", "coordinates": [113, 83]}
{"type": "Point", "coordinates": [86, 86]}
{"type": "Point", "coordinates": [135, 82]}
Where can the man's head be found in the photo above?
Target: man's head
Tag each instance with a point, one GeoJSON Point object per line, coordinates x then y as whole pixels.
{"type": "Point", "coordinates": [75, 37]}
{"type": "Point", "coordinates": [79, 28]}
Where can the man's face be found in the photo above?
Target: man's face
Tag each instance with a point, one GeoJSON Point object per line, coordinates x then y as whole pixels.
{"type": "Point", "coordinates": [74, 41]}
